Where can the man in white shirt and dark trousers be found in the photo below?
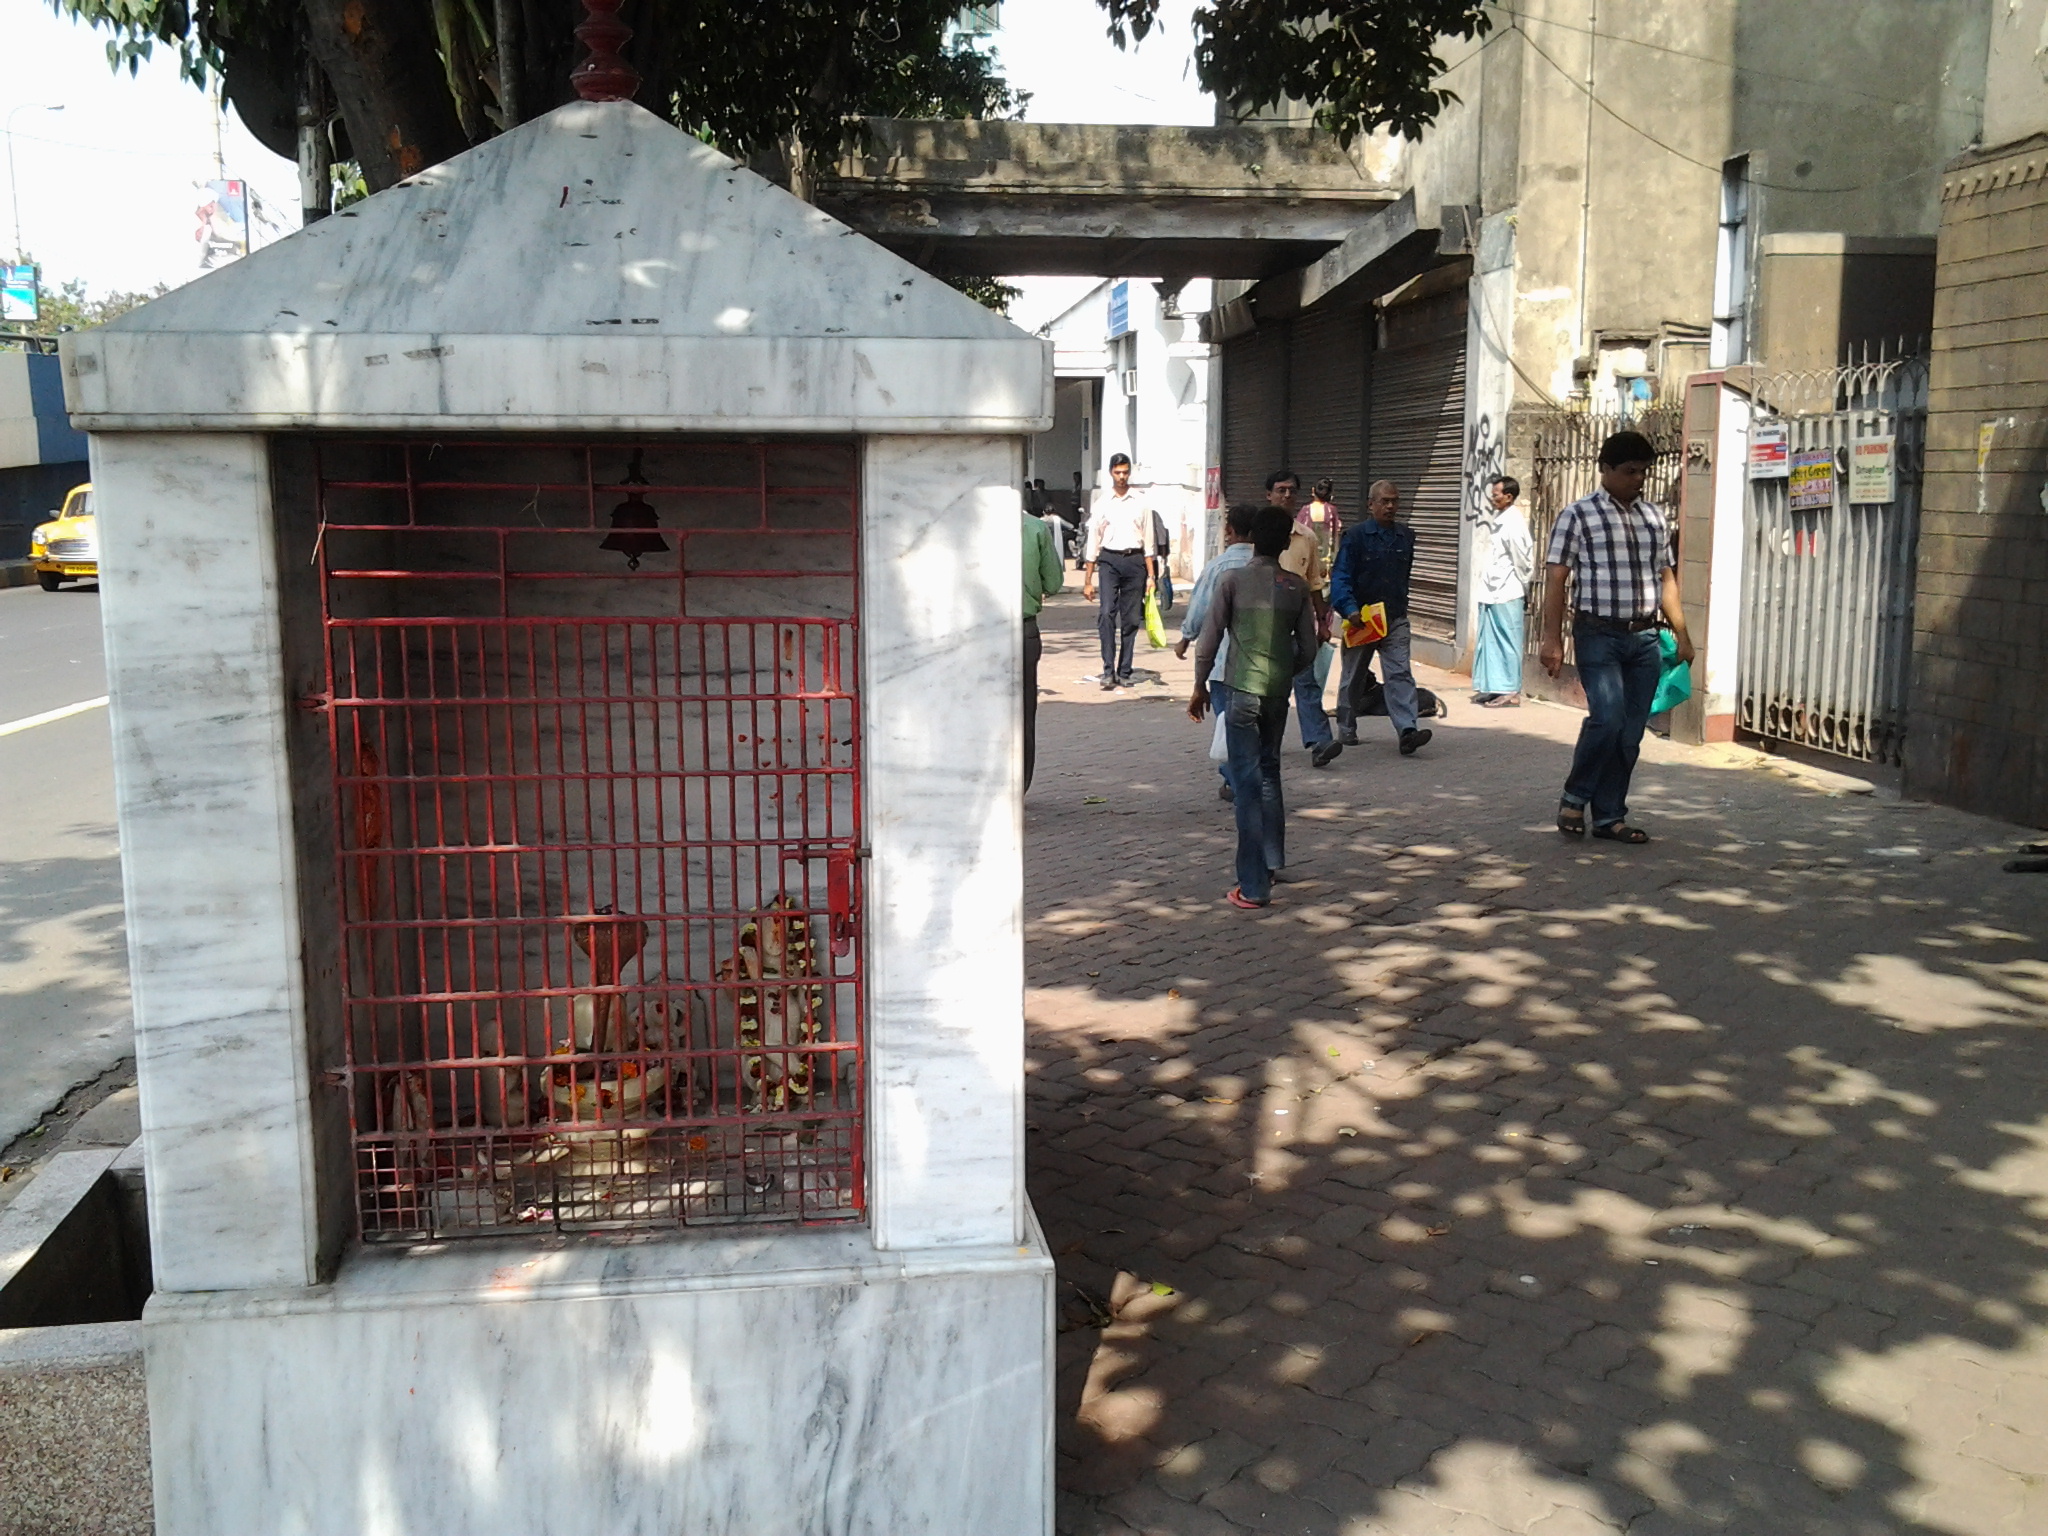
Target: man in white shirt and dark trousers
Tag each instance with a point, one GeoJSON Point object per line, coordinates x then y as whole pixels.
{"type": "Point", "coordinates": [1120, 542]}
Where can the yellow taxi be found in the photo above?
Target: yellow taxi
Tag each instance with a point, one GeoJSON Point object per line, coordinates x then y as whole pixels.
{"type": "Point", "coordinates": [68, 547]}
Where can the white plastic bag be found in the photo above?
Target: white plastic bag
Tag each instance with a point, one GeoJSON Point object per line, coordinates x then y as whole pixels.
{"type": "Point", "coordinates": [1219, 744]}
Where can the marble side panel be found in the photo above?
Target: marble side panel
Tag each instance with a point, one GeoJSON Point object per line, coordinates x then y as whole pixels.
{"type": "Point", "coordinates": [941, 626]}
{"type": "Point", "coordinates": [855, 1395]}
{"type": "Point", "coordinates": [189, 601]}
{"type": "Point", "coordinates": [143, 381]}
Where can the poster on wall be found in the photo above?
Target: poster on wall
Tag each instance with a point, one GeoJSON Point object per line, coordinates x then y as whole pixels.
{"type": "Point", "coordinates": [1766, 452]}
{"type": "Point", "coordinates": [1813, 479]}
{"type": "Point", "coordinates": [1871, 480]}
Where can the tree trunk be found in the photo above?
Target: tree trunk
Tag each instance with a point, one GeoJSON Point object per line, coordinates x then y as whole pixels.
{"type": "Point", "coordinates": [389, 83]}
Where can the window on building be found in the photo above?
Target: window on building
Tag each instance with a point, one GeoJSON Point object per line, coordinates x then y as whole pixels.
{"type": "Point", "coordinates": [1731, 268]}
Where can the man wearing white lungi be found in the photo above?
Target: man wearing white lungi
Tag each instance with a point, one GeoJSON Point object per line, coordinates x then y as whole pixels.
{"type": "Point", "coordinates": [1503, 598]}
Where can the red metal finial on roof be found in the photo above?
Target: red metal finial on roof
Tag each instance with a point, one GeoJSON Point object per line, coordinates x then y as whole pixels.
{"type": "Point", "coordinates": [604, 76]}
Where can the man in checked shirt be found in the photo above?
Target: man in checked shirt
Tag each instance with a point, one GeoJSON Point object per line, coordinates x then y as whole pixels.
{"type": "Point", "coordinates": [1615, 549]}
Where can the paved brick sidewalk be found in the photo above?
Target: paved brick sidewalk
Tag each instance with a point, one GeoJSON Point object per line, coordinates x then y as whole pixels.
{"type": "Point", "coordinates": [1491, 1181]}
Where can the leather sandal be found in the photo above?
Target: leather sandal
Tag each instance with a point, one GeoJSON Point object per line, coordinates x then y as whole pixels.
{"type": "Point", "coordinates": [1621, 832]}
{"type": "Point", "coordinates": [1575, 826]}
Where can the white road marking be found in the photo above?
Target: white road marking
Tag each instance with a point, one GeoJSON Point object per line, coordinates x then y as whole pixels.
{"type": "Point", "coordinates": [29, 721]}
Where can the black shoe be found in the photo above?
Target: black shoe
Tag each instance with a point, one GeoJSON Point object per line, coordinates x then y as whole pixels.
{"type": "Point", "coordinates": [1326, 754]}
{"type": "Point", "coordinates": [1349, 738]}
{"type": "Point", "coordinates": [1410, 740]}
{"type": "Point", "coordinates": [1224, 792]}
{"type": "Point", "coordinates": [1108, 684]}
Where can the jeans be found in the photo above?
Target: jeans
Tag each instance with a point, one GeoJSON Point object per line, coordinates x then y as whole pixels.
{"type": "Point", "coordinates": [1034, 647]}
{"type": "Point", "coordinates": [1308, 703]}
{"type": "Point", "coordinates": [1619, 672]}
{"type": "Point", "coordinates": [1255, 729]}
{"type": "Point", "coordinates": [1396, 674]}
{"type": "Point", "coordinates": [1122, 589]}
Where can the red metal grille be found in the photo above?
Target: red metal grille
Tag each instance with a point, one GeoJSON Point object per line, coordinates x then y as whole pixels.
{"type": "Point", "coordinates": [597, 832]}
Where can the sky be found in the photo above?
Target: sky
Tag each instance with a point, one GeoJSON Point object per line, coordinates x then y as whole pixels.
{"type": "Point", "coordinates": [107, 187]}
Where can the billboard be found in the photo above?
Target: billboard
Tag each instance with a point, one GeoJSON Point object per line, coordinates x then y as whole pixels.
{"type": "Point", "coordinates": [223, 232]}
{"type": "Point", "coordinates": [18, 294]}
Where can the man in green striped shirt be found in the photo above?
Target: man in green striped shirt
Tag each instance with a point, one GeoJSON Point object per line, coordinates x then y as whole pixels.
{"type": "Point", "coordinates": [1271, 621]}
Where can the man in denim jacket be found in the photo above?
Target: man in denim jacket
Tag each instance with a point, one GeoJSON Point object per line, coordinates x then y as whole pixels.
{"type": "Point", "coordinates": [1373, 566]}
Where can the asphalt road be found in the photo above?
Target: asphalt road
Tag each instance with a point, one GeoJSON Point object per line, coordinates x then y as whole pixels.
{"type": "Point", "coordinates": [64, 1015]}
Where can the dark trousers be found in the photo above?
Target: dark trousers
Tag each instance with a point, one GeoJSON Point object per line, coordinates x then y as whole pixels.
{"type": "Point", "coordinates": [1397, 677]}
{"type": "Point", "coordinates": [1034, 648]}
{"type": "Point", "coordinates": [1619, 672]}
{"type": "Point", "coordinates": [1254, 729]}
{"type": "Point", "coordinates": [1122, 589]}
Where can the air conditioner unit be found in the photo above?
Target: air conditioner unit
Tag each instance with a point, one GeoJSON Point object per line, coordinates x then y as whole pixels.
{"type": "Point", "coordinates": [1130, 380]}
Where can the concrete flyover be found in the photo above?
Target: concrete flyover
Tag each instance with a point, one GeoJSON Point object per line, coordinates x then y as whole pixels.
{"type": "Point", "coordinates": [1107, 200]}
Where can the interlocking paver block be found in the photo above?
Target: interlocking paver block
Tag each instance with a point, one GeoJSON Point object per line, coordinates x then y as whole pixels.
{"type": "Point", "coordinates": [1660, 1190]}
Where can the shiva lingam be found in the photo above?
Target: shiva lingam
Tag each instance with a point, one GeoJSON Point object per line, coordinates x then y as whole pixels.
{"type": "Point", "coordinates": [600, 1022]}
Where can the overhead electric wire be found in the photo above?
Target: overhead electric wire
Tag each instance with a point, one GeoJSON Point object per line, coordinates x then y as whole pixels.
{"type": "Point", "coordinates": [1804, 82]}
{"type": "Point", "coordinates": [1707, 165]}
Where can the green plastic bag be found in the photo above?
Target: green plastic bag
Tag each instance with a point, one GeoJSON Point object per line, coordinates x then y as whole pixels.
{"type": "Point", "coordinates": [1674, 686]}
{"type": "Point", "coordinates": [1155, 627]}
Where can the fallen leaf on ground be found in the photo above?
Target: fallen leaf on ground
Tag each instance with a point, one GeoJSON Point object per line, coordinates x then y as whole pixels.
{"type": "Point", "coordinates": [1095, 800]}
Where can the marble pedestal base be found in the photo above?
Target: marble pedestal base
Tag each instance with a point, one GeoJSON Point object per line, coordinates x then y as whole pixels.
{"type": "Point", "coordinates": [799, 1382]}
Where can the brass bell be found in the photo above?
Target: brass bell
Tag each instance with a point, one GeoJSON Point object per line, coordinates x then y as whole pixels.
{"type": "Point", "coordinates": [634, 522]}
{"type": "Point", "coordinates": [632, 535]}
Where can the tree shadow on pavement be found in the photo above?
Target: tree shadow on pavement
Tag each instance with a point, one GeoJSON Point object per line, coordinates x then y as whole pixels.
{"type": "Point", "coordinates": [1494, 1181]}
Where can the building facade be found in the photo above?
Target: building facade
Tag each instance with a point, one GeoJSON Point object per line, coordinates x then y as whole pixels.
{"type": "Point", "coordinates": [1132, 377]}
{"type": "Point", "coordinates": [1979, 684]}
{"type": "Point", "coordinates": [1590, 222]}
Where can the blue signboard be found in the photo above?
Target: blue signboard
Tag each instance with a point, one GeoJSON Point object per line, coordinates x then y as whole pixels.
{"type": "Point", "coordinates": [1119, 308]}
{"type": "Point", "coordinates": [18, 293]}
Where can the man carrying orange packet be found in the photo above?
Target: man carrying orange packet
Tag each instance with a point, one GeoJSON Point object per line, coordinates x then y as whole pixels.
{"type": "Point", "coordinates": [1369, 589]}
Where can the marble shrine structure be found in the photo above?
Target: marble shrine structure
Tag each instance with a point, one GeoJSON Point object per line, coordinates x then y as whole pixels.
{"type": "Point", "coordinates": [563, 627]}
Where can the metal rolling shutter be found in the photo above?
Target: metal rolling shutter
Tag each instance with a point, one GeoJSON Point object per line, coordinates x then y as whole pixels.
{"type": "Point", "coordinates": [1418, 442]}
{"type": "Point", "coordinates": [1254, 411]}
{"type": "Point", "coordinates": [1331, 356]}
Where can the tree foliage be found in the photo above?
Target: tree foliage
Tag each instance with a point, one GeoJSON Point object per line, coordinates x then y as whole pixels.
{"type": "Point", "coordinates": [418, 80]}
{"type": "Point", "coordinates": [1359, 64]}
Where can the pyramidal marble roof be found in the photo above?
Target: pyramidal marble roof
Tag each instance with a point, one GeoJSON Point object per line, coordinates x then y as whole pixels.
{"type": "Point", "coordinates": [596, 268]}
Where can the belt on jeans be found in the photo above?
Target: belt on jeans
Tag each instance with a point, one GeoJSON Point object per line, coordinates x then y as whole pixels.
{"type": "Point", "coordinates": [1584, 620]}
{"type": "Point", "coordinates": [1122, 551]}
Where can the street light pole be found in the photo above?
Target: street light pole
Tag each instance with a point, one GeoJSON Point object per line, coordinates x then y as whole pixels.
{"type": "Point", "coordinates": [13, 183]}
